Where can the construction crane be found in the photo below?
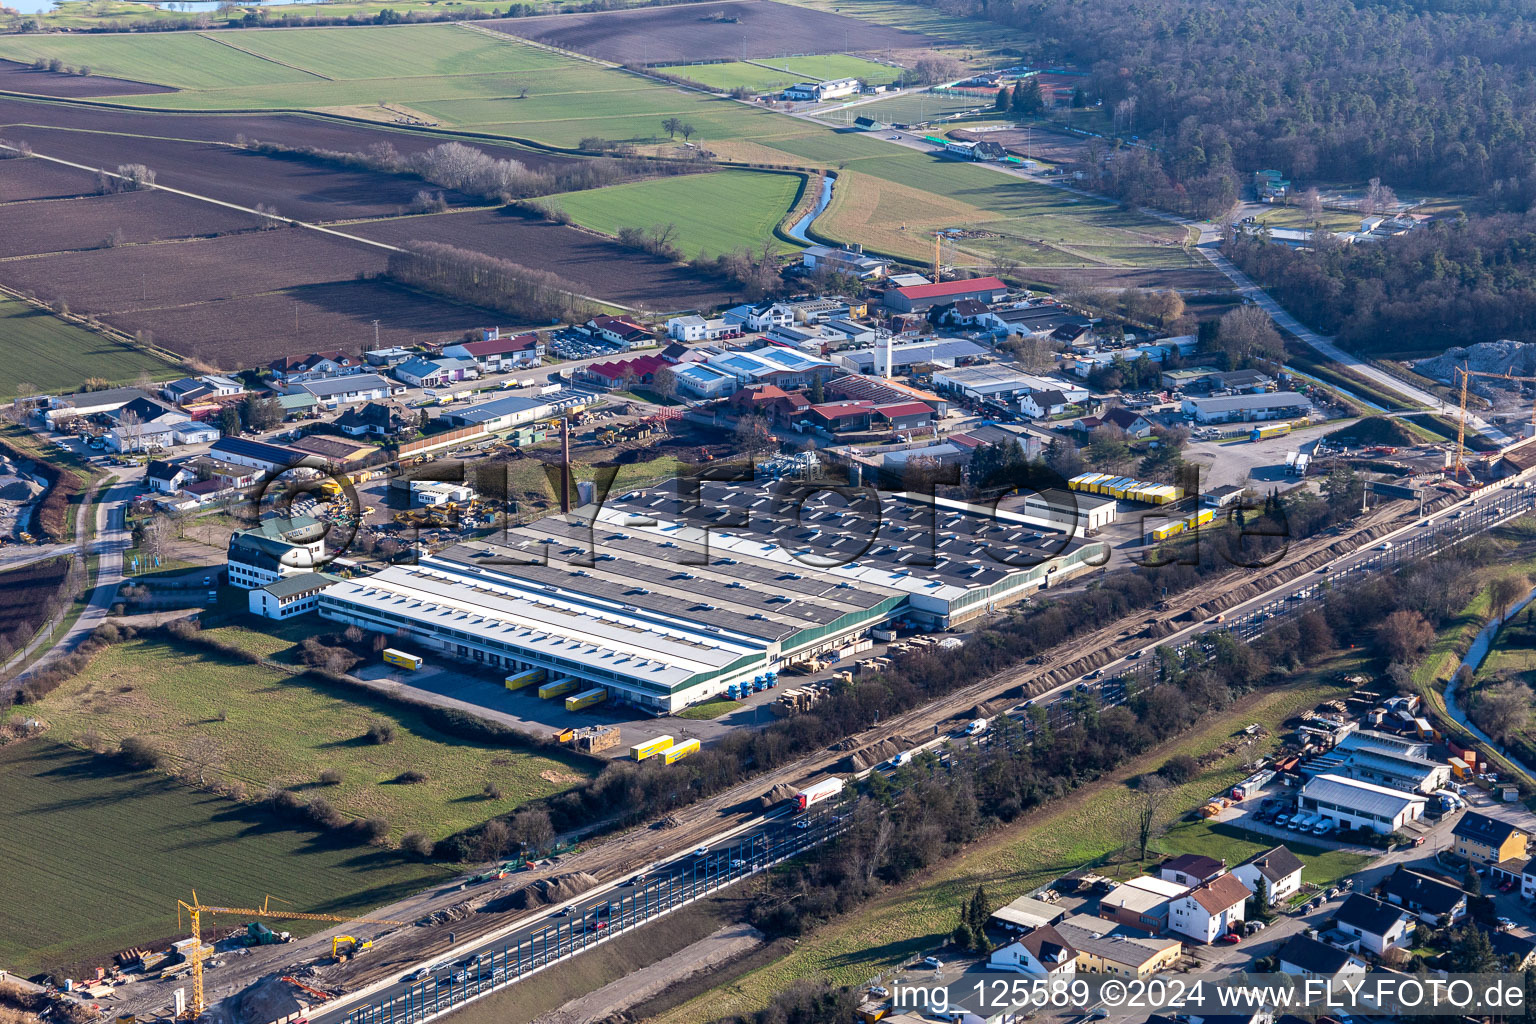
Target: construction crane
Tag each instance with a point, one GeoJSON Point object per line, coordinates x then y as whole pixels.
{"type": "Point", "coordinates": [1466, 376]}
{"type": "Point", "coordinates": [196, 909]}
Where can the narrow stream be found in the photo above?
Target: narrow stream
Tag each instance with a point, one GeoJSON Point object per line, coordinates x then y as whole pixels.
{"type": "Point", "coordinates": [1474, 658]}
{"type": "Point", "coordinates": [798, 230]}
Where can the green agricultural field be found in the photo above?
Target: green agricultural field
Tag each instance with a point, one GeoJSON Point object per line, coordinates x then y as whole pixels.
{"type": "Point", "coordinates": [714, 212]}
{"type": "Point", "coordinates": [187, 60]}
{"type": "Point", "coordinates": [262, 727]}
{"type": "Point", "coordinates": [396, 51]}
{"type": "Point", "coordinates": [44, 351]}
{"type": "Point", "coordinates": [96, 857]}
{"type": "Point", "coordinates": [773, 74]}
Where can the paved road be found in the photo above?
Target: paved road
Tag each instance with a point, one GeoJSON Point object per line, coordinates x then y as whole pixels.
{"type": "Point", "coordinates": [108, 542]}
{"type": "Point", "coordinates": [1474, 657]}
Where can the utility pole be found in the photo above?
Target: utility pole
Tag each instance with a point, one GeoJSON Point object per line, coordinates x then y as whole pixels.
{"type": "Point", "coordinates": [375, 334]}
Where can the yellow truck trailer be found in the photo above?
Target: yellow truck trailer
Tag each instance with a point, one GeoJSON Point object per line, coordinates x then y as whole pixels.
{"type": "Point", "coordinates": [558, 688]}
{"type": "Point", "coordinates": [521, 679]}
{"type": "Point", "coordinates": [641, 751]}
{"type": "Point", "coordinates": [586, 699]}
{"type": "Point", "coordinates": [679, 751]}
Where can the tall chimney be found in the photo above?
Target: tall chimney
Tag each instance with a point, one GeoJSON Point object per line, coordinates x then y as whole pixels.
{"type": "Point", "coordinates": [890, 355]}
{"type": "Point", "coordinates": [565, 464]}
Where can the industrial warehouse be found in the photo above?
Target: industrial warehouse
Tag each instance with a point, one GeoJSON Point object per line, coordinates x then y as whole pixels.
{"type": "Point", "coordinates": [665, 603]}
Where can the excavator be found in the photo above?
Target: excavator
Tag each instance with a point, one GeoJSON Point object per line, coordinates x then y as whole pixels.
{"type": "Point", "coordinates": [345, 947]}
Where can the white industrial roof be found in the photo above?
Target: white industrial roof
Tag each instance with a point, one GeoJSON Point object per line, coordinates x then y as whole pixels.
{"type": "Point", "coordinates": [1359, 796]}
{"type": "Point", "coordinates": [1272, 400]}
{"type": "Point", "coordinates": [607, 640]}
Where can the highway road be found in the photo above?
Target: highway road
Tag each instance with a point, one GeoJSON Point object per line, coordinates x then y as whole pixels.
{"type": "Point", "coordinates": [465, 973]}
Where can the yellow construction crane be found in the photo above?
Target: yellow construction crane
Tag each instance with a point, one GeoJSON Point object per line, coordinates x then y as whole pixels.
{"type": "Point", "coordinates": [1461, 423]}
{"type": "Point", "coordinates": [196, 909]}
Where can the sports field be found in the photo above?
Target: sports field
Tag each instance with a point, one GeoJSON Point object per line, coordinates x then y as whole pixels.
{"type": "Point", "coordinates": [95, 858]}
{"type": "Point", "coordinates": [714, 213]}
{"type": "Point", "coordinates": [263, 727]}
{"type": "Point", "coordinates": [44, 351]}
{"type": "Point", "coordinates": [771, 74]}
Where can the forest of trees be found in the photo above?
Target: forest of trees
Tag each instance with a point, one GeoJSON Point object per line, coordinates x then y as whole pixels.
{"type": "Point", "coordinates": [1424, 94]}
{"type": "Point", "coordinates": [1454, 283]}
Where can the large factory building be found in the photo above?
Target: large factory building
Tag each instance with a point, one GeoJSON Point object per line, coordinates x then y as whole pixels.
{"type": "Point", "coordinates": [666, 604]}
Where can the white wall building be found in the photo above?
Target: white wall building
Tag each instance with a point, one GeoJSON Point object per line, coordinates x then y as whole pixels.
{"type": "Point", "coordinates": [1355, 804]}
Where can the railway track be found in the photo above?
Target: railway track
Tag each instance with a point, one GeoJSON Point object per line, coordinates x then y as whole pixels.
{"type": "Point", "coordinates": [639, 847]}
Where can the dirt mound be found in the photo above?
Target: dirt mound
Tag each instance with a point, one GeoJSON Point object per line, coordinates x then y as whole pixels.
{"type": "Point", "coordinates": [541, 893]}
{"type": "Point", "coordinates": [875, 753]}
{"type": "Point", "coordinates": [777, 795]}
{"type": "Point", "coordinates": [1375, 430]}
{"type": "Point", "coordinates": [268, 1000]}
{"type": "Point", "coordinates": [1513, 357]}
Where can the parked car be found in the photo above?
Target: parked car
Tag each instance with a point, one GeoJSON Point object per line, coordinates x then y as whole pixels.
{"type": "Point", "coordinates": [1231, 938]}
{"type": "Point", "coordinates": [879, 991]}
{"type": "Point", "coordinates": [934, 962]}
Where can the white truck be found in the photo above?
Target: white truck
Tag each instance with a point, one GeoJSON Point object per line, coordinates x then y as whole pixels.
{"type": "Point", "coordinates": [977, 727]}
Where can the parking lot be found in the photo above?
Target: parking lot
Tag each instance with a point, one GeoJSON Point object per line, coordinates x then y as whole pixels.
{"type": "Point", "coordinates": [575, 343]}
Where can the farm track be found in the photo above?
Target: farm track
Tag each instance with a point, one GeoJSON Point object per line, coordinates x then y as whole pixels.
{"type": "Point", "coordinates": [640, 846]}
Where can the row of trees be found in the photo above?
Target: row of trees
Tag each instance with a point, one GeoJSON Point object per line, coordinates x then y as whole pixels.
{"type": "Point", "coordinates": [473, 171]}
{"type": "Point", "coordinates": [483, 280]}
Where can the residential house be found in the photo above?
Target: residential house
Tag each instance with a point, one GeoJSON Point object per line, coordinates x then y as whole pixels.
{"type": "Point", "coordinates": [315, 366]}
{"type": "Point", "coordinates": [297, 406]}
{"type": "Point", "coordinates": [1485, 840]}
{"type": "Point", "coordinates": [696, 328]}
{"type": "Point", "coordinates": [1434, 901]}
{"type": "Point", "coordinates": [1103, 948]}
{"type": "Point", "coordinates": [1210, 910]}
{"type": "Point", "coordinates": [1516, 951]}
{"type": "Point", "coordinates": [1378, 926]}
{"type": "Point", "coordinates": [925, 296]}
{"type": "Point", "coordinates": [772, 401]}
{"type": "Point", "coordinates": [1040, 404]}
{"type": "Point", "coordinates": [760, 316]}
{"type": "Point", "coordinates": [1141, 903]}
{"type": "Point", "coordinates": [273, 550]}
{"type": "Point", "coordinates": [227, 475]}
{"type": "Point", "coordinates": [1279, 868]}
{"type": "Point", "coordinates": [620, 330]}
{"type": "Point", "coordinates": [1308, 958]}
{"type": "Point", "coordinates": [498, 353]}
{"type": "Point", "coordinates": [1043, 953]}
{"type": "Point", "coordinates": [1191, 869]}
{"type": "Point", "coordinates": [165, 478]}
{"type": "Point", "coordinates": [289, 596]}
{"type": "Point", "coordinates": [422, 372]}
{"type": "Point", "coordinates": [1128, 420]}
{"type": "Point", "coordinates": [376, 419]}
